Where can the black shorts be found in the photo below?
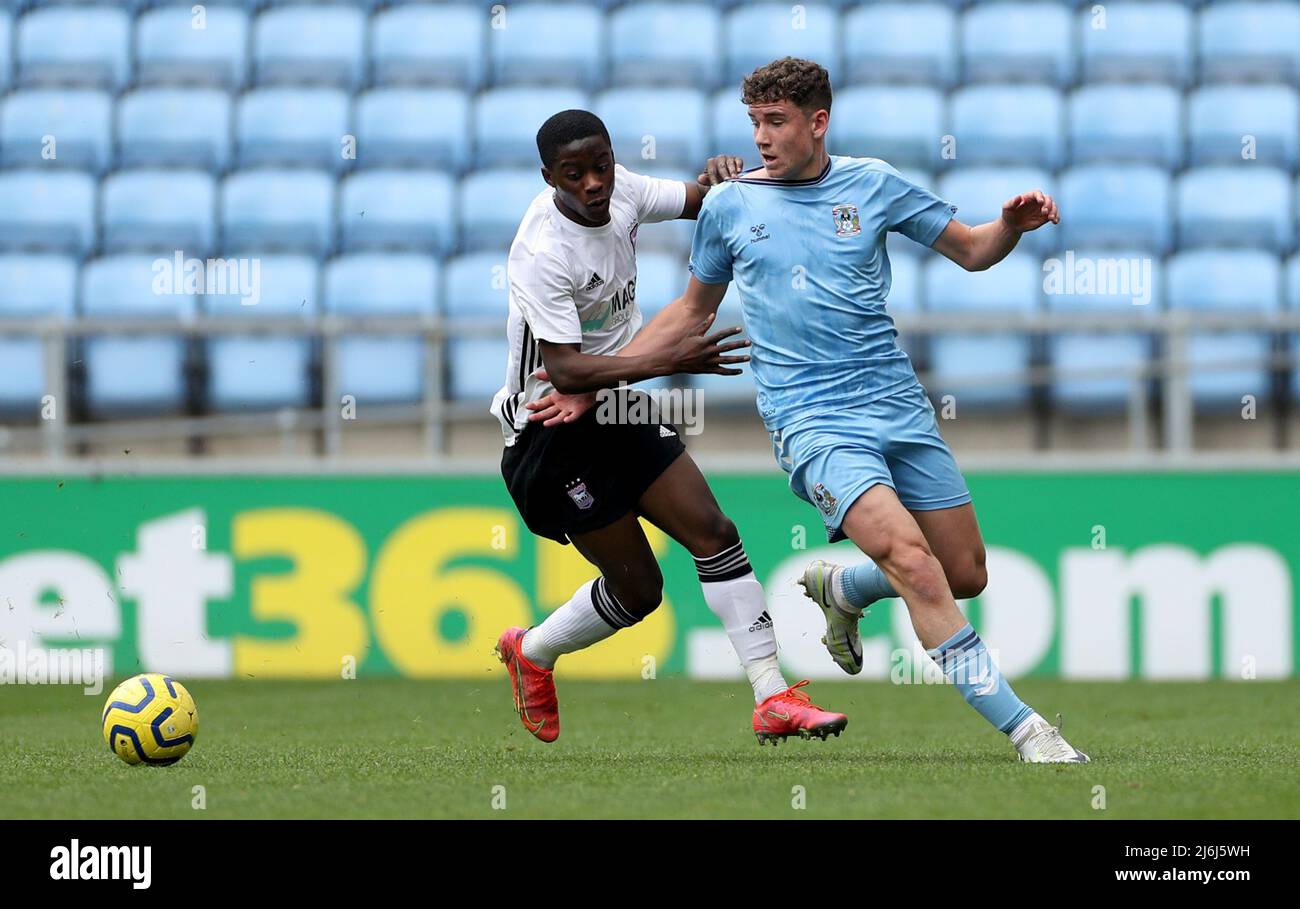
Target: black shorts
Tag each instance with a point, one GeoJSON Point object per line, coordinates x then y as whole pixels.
{"type": "Point", "coordinates": [585, 475]}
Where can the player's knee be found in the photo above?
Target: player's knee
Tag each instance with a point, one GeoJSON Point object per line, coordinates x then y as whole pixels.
{"type": "Point", "coordinates": [713, 536]}
{"type": "Point", "coordinates": [919, 569]}
{"type": "Point", "coordinates": [971, 579]}
{"type": "Point", "coordinates": [639, 596]}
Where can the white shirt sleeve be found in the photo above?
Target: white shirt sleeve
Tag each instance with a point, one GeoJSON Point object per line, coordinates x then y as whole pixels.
{"type": "Point", "coordinates": [543, 288]}
{"type": "Point", "coordinates": [656, 199]}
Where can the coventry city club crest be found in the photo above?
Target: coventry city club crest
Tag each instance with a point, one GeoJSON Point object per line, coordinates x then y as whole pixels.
{"type": "Point", "coordinates": [581, 498]}
{"type": "Point", "coordinates": [846, 220]}
{"type": "Point", "coordinates": [825, 501]}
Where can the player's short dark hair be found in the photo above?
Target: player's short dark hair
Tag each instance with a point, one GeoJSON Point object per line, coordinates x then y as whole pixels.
{"type": "Point", "coordinates": [803, 83]}
{"type": "Point", "coordinates": [565, 127]}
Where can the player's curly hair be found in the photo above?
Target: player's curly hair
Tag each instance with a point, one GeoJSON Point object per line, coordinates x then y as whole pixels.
{"type": "Point", "coordinates": [803, 83]}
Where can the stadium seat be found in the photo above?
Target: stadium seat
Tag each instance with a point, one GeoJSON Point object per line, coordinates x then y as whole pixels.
{"type": "Point", "coordinates": [45, 210]}
{"type": "Point", "coordinates": [1250, 40]}
{"type": "Point", "coordinates": [655, 126]}
{"type": "Point", "coordinates": [257, 370]}
{"type": "Point", "coordinates": [317, 45]}
{"type": "Point", "coordinates": [75, 45]}
{"type": "Point", "coordinates": [1292, 296]}
{"type": "Point", "coordinates": [6, 50]}
{"type": "Point", "coordinates": [731, 130]}
{"type": "Point", "coordinates": [661, 277]}
{"type": "Point", "coordinates": [1245, 205]}
{"type": "Point", "coordinates": [904, 297]}
{"type": "Point", "coordinates": [430, 44]}
{"type": "Point", "coordinates": [506, 121]}
{"type": "Point", "coordinates": [44, 127]}
{"type": "Point", "coordinates": [1116, 205]}
{"type": "Point", "coordinates": [1219, 118]}
{"type": "Point", "coordinates": [476, 296]}
{"type": "Point", "coordinates": [174, 126]}
{"type": "Point", "coordinates": [1032, 42]}
{"type": "Point", "coordinates": [1015, 124]}
{"type": "Point", "coordinates": [127, 286]}
{"type": "Point", "coordinates": [1100, 281]}
{"type": "Point", "coordinates": [959, 358]}
{"type": "Point", "coordinates": [900, 42]}
{"type": "Point", "coordinates": [159, 209]}
{"type": "Point", "coordinates": [754, 35]}
{"type": "Point", "coordinates": [381, 369]}
{"type": "Point", "coordinates": [414, 127]}
{"type": "Point", "coordinates": [978, 193]}
{"type": "Point", "coordinates": [177, 45]}
{"type": "Point", "coordinates": [902, 124]}
{"type": "Point", "coordinates": [31, 286]}
{"type": "Point", "coordinates": [538, 46]}
{"type": "Point", "coordinates": [293, 126]}
{"type": "Point", "coordinates": [278, 209]}
{"type": "Point", "coordinates": [1237, 280]}
{"type": "Point", "coordinates": [397, 209]}
{"type": "Point", "coordinates": [1130, 41]}
{"type": "Point", "coordinates": [648, 45]}
{"type": "Point", "coordinates": [477, 287]}
{"type": "Point", "coordinates": [1142, 123]}
{"type": "Point", "coordinates": [491, 204]}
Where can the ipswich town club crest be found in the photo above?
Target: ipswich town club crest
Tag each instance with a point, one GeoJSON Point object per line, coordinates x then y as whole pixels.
{"type": "Point", "coordinates": [578, 492]}
{"type": "Point", "coordinates": [825, 501]}
{"type": "Point", "coordinates": [846, 220]}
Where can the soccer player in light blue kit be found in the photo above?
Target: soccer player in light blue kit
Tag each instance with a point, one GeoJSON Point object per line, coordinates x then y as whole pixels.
{"type": "Point", "coordinates": [803, 238]}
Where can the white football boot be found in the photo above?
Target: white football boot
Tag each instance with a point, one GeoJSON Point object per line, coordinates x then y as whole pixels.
{"type": "Point", "coordinates": [841, 638]}
{"type": "Point", "coordinates": [1039, 742]}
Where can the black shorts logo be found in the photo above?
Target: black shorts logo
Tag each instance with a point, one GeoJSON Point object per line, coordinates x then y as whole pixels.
{"type": "Point", "coordinates": [578, 492]}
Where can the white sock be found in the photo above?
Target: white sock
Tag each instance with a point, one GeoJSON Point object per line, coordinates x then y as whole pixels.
{"type": "Point", "coordinates": [736, 598]}
{"type": "Point", "coordinates": [588, 617]}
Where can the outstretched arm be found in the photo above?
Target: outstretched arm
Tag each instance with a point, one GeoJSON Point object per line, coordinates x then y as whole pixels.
{"type": "Point", "coordinates": [979, 247]}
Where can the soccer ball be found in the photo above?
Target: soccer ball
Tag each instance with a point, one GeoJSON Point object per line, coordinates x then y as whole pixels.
{"type": "Point", "coordinates": [150, 719]}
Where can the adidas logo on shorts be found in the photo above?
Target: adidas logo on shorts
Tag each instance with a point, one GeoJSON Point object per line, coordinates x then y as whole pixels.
{"type": "Point", "coordinates": [764, 621]}
{"type": "Point", "coordinates": [666, 433]}
{"type": "Point", "coordinates": [596, 281]}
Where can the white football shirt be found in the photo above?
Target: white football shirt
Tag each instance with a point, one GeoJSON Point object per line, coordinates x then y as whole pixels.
{"type": "Point", "coordinates": [571, 284]}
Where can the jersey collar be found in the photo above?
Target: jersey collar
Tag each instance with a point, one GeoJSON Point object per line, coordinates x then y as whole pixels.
{"type": "Point", "coordinates": [810, 181]}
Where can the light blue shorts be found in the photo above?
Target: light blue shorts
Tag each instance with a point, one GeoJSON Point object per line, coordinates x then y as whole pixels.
{"type": "Point", "coordinates": [833, 458]}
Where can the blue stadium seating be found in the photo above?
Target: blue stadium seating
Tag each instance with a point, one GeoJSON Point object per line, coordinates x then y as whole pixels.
{"type": "Point", "coordinates": [75, 45]}
{"type": "Point", "coordinates": [537, 46]}
{"type": "Point", "coordinates": [657, 44]}
{"type": "Point", "coordinates": [175, 45]}
{"type": "Point", "coordinates": [900, 42]}
{"type": "Point", "coordinates": [31, 286]}
{"type": "Point", "coordinates": [1250, 41]}
{"type": "Point", "coordinates": [174, 126]}
{"type": "Point", "coordinates": [476, 293]}
{"type": "Point", "coordinates": [1136, 42]}
{"type": "Point", "coordinates": [47, 210]}
{"type": "Point", "coordinates": [1219, 117]}
{"type": "Point", "coordinates": [322, 45]}
{"type": "Point", "coordinates": [293, 126]}
{"type": "Point", "coordinates": [957, 357]}
{"type": "Point", "coordinates": [732, 132]}
{"type": "Point", "coordinates": [1009, 124]}
{"type": "Point", "coordinates": [1239, 280]}
{"type": "Point", "coordinates": [1129, 122]}
{"type": "Point", "coordinates": [430, 44]}
{"type": "Point", "coordinates": [381, 369]}
{"type": "Point", "coordinates": [665, 126]}
{"type": "Point", "coordinates": [254, 371]}
{"type": "Point", "coordinates": [903, 124]}
{"type": "Point", "coordinates": [905, 293]}
{"type": "Point", "coordinates": [753, 35]}
{"type": "Point", "coordinates": [661, 277]}
{"type": "Point", "coordinates": [162, 209]}
{"type": "Point", "coordinates": [42, 127]}
{"type": "Point", "coordinates": [133, 373]}
{"type": "Point", "coordinates": [1292, 297]}
{"type": "Point", "coordinates": [1116, 205]}
{"type": "Point", "coordinates": [491, 202]}
{"type": "Point", "coordinates": [978, 193]}
{"type": "Point", "coordinates": [717, 389]}
{"type": "Point", "coordinates": [397, 209]}
{"type": "Point", "coordinates": [506, 121]}
{"type": "Point", "coordinates": [415, 127]}
{"type": "Point", "coordinates": [278, 209]}
{"type": "Point", "coordinates": [6, 50]}
{"type": "Point", "coordinates": [1101, 281]}
{"type": "Point", "coordinates": [1018, 41]}
{"type": "Point", "coordinates": [1221, 205]}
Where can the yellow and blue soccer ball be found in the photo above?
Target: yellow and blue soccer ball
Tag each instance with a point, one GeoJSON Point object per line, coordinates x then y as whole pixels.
{"type": "Point", "coordinates": [150, 719]}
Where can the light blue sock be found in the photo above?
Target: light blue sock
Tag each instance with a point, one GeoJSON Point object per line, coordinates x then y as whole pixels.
{"type": "Point", "coordinates": [966, 662]}
{"type": "Point", "coordinates": [864, 583]}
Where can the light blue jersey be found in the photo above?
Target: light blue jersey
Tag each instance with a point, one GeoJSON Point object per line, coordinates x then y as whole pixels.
{"type": "Point", "coordinates": [808, 258]}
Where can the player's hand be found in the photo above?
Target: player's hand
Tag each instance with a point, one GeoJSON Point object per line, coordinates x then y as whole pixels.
{"type": "Point", "coordinates": [719, 169]}
{"type": "Point", "coordinates": [1030, 211]}
{"type": "Point", "coordinates": [557, 407]}
{"type": "Point", "coordinates": [699, 352]}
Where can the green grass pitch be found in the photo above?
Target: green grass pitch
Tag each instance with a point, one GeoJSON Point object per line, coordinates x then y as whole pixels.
{"type": "Point", "coordinates": [660, 748]}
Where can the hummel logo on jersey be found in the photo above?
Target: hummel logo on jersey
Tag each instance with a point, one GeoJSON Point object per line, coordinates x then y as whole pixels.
{"type": "Point", "coordinates": [759, 232]}
{"type": "Point", "coordinates": [666, 433]}
{"type": "Point", "coordinates": [764, 621]}
{"type": "Point", "coordinates": [596, 281]}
